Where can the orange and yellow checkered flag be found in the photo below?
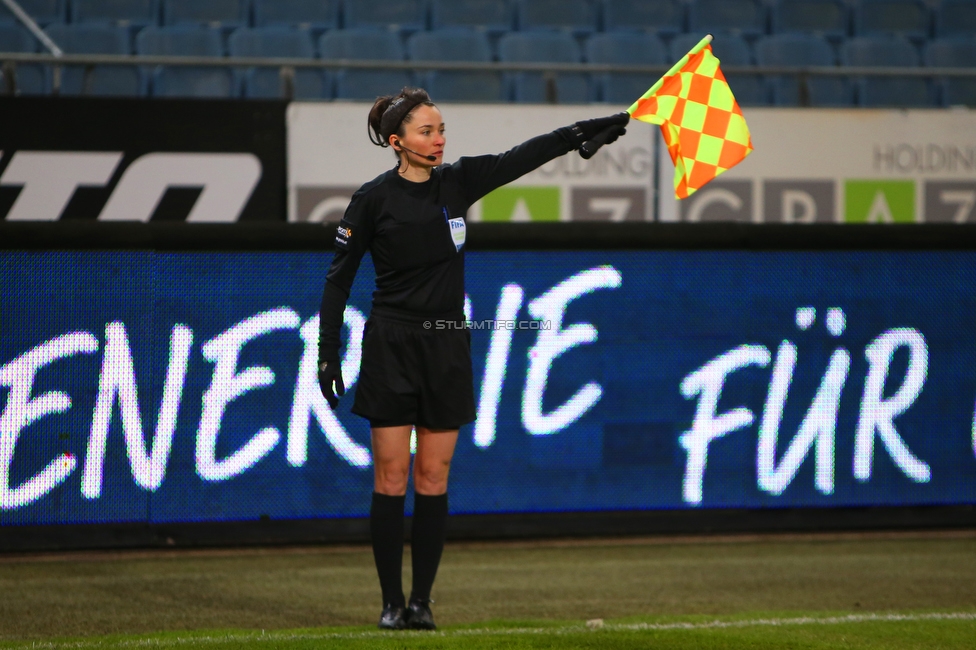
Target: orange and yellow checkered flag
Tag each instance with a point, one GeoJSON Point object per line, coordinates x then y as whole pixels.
{"type": "Point", "coordinates": [702, 124]}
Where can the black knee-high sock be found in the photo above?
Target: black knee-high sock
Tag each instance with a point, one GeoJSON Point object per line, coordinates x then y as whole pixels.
{"type": "Point", "coordinates": [386, 529]}
{"type": "Point", "coordinates": [427, 541]}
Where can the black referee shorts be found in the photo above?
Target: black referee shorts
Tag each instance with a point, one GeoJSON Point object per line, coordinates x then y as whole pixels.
{"type": "Point", "coordinates": [412, 375]}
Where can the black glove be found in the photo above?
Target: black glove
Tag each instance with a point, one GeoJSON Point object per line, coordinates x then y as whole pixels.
{"type": "Point", "coordinates": [329, 372]}
{"type": "Point", "coordinates": [588, 129]}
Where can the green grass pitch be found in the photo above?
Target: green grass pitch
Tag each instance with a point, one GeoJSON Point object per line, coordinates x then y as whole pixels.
{"type": "Point", "coordinates": [815, 591]}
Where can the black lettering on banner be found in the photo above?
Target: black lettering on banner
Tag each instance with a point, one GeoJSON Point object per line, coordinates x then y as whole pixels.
{"type": "Point", "coordinates": [929, 158]}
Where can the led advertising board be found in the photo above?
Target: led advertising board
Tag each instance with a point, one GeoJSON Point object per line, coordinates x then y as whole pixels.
{"type": "Point", "coordinates": [141, 386]}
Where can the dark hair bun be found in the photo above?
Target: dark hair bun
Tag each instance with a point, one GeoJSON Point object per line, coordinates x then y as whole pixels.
{"type": "Point", "coordinates": [391, 111]}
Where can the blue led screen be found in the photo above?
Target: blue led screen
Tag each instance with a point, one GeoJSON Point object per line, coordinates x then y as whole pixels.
{"type": "Point", "coordinates": [169, 387]}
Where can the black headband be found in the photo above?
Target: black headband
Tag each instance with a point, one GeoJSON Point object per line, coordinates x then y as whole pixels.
{"type": "Point", "coordinates": [394, 115]}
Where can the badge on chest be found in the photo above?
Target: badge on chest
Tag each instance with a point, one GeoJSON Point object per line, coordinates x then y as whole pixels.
{"type": "Point", "coordinates": [458, 230]}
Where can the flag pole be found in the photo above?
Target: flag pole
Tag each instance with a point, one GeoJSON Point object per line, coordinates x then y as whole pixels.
{"type": "Point", "coordinates": [677, 66]}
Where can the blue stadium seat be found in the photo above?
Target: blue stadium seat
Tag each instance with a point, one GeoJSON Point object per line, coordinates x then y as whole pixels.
{"type": "Point", "coordinates": [827, 18]}
{"type": "Point", "coordinates": [955, 18]}
{"type": "Point", "coordinates": [742, 17]}
{"type": "Point", "coordinates": [179, 81]}
{"type": "Point", "coordinates": [886, 51]}
{"type": "Point", "coordinates": [315, 15]}
{"type": "Point", "coordinates": [802, 50]}
{"type": "Point", "coordinates": [577, 16]}
{"type": "Point", "coordinates": [625, 48]}
{"type": "Point", "coordinates": [106, 80]}
{"type": "Point", "coordinates": [449, 45]}
{"type": "Point", "coordinates": [957, 52]}
{"type": "Point", "coordinates": [44, 12]}
{"type": "Point", "coordinates": [14, 38]}
{"type": "Point", "coordinates": [544, 47]}
{"type": "Point", "coordinates": [30, 78]}
{"type": "Point", "coordinates": [908, 18]}
{"type": "Point", "coordinates": [365, 44]}
{"type": "Point", "coordinates": [663, 17]}
{"type": "Point", "coordinates": [405, 16]}
{"type": "Point", "coordinates": [279, 42]}
{"type": "Point", "coordinates": [124, 13]}
{"type": "Point", "coordinates": [731, 50]}
{"type": "Point", "coordinates": [456, 45]}
{"type": "Point", "coordinates": [226, 14]}
{"type": "Point", "coordinates": [492, 16]}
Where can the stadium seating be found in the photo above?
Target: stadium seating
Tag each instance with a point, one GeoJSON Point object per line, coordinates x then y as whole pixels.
{"type": "Point", "coordinates": [778, 32]}
{"type": "Point", "coordinates": [827, 18]}
{"type": "Point", "coordinates": [954, 53]}
{"type": "Point", "coordinates": [663, 17]}
{"type": "Point", "coordinates": [955, 18]}
{"type": "Point", "coordinates": [29, 77]}
{"type": "Point", "coordinates": [277, 42]}
{"type": "Point", "coordinates": [493, 16]}
{"type": "Point", "coordinates": [44, 12]}
{"type": "Point", "coordinates": [625, 48]}
{"type": "Point", "coordinates": [801, 50]}
{"type": "Point", "coordinates": [112, 80]}
{"type": "Point", "coordinates": [731, 51]}
{"type": "Point", "coordinates": [226, 14]}
{"type": "Point", "coordinates": [365, 44]}
{"type": "Point", "coordinates": [544, 47]}
{"type": "Point", "coordinates": [741, 17]}
{"type": "Point", "coordinates": [576, 16]}
{"type": "Point", "coordinates": [314, 15]}
{"type": "Point", "coordinates": [890, 51]}
{"type": "Point", "coordinates": [14, 38]}
{"type": "Point", "coordinates": [456, 45]}
{"type": "Point", "coordinates": [124, 13]}
{"type": "Point", "coordinates": [908, 18]}
{"type": "Point", "coordinates": [178, 81]}
{"type": "Point", "coordinates": [404, 16]}
{"type": "Point", "coordinates": [449, 45]}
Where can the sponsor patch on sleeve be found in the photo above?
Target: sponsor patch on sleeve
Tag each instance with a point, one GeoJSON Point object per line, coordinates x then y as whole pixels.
{"type": "Point", "coordinates": [343, 235]}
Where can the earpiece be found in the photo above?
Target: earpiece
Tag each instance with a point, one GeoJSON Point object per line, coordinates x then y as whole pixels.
{"type": "Point", "coordinates": [430, 158]}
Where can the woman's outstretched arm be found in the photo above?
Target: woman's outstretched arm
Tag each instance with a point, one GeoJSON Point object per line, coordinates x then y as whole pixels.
{"type": "Point", "coordinates": [482, 174]}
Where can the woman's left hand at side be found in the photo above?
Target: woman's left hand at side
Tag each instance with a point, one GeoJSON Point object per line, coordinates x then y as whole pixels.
{"type": "Point", "coordinates": [330, 372]}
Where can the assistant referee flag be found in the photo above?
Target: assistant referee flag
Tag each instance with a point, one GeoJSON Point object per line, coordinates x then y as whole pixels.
{"type": "Point", "coordinates": [702, 124]}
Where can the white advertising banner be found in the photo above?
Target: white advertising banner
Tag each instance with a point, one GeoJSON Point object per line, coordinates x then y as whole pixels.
{"type": "Point", "coordinates": [809, 165]}
{"type": "Point", "coordinates": [841, 165]}
{"type": "Point", "coordinates": [330, 156]}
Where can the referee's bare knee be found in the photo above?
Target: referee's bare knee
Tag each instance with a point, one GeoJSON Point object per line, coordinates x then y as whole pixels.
{"type": "Point", "coordinates": [430, 475]}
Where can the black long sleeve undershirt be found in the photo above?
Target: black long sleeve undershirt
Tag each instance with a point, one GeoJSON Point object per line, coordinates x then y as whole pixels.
{"type": "Point", "coordinates": [406, 227]}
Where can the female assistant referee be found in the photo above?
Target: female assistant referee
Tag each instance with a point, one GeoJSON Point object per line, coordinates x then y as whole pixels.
{"type": "Point", "coordinates": [412, 220]}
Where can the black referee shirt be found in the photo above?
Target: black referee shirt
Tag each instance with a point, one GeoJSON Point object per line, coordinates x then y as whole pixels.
{"type": "Point", "coordinates": [414, 232]}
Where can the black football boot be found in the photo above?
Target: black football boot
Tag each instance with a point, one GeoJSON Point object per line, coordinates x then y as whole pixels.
{"type": "Point", "coordinates": [419, 616]}
{"type": "Point", "coordinates": [394, 617]}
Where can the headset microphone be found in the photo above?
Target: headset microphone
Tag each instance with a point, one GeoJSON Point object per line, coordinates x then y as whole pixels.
{"type": "Point", "coordinates": [430, 158]}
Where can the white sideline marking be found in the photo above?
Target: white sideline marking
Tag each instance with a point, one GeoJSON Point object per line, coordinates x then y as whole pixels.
{"type": "Point", "coordinates": [565, 629]}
